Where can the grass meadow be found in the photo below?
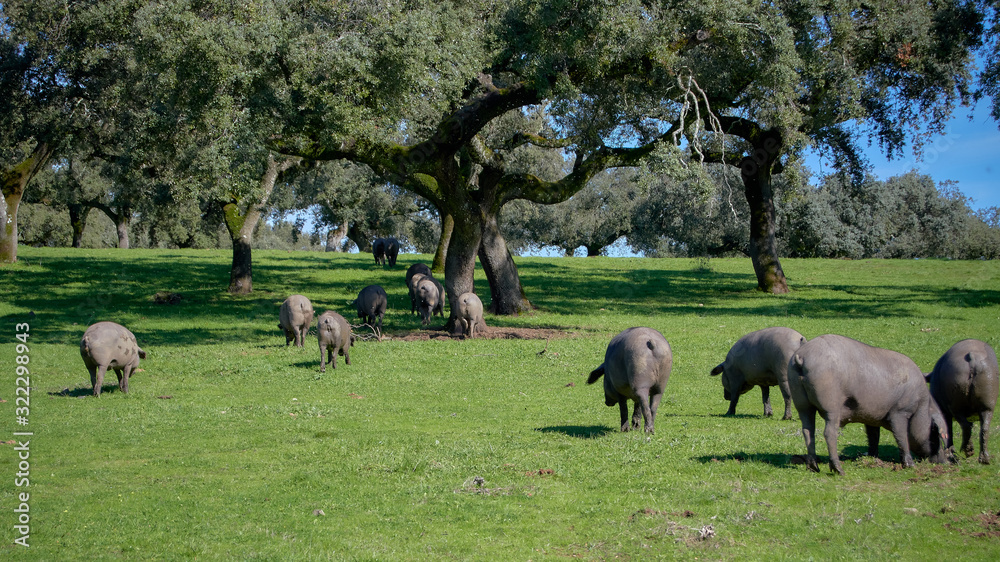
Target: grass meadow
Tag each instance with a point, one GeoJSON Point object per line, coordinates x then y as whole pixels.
{"type": "Point", "coordinates": [231, 445]}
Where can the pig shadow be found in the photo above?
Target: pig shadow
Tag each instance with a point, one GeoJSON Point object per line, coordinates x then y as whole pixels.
{"type": "Point", "coordinates": [579, 431]}
{"type": "Point", "coordinates": [779, 460]}
{"type": "Point", "coordinates": [83, 391]}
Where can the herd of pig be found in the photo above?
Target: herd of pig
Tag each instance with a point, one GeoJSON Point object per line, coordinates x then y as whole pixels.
{"type": "Point", "coordinates": [841, 379]}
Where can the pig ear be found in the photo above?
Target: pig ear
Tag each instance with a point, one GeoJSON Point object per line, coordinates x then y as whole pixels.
{"type": "Point", "coordinates": [717, 370]}
{"type": "Point", "coordinates": [142, 354]}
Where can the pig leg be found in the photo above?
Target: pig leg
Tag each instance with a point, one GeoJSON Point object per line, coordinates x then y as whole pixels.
{"type": "Point", "coordinates": [831, 433]}
{"type": "Point", "coordinates": [765, 393]}
{"type": "Point", "coordinates": [898, 425]}
{"type": "Point", "coordinates": [347, 356]}
{"type": "Point", "coordinates": [984, 431]}
{"type": "Point", "coordinates": [966, 425]}
{"type": "Point", "coordinates": [872, 431]}
{"type": "Point", "coordinates": [123, 375]}
{"type": "Point", "coordinates": [654, 404]}
{"type": "Point", "coordinates": [331, 356]}
{"type": "Point", "coordinates": [733, 399]}
{"type": "Point", "coordinates": [322, 358]}
{"type": "Point", "coordinates": [98, 380]}
{"type": "Point", "coordinates": [808, 418]}
{"type": "Point", "coordinates": [647, 411]}
{"type": "Point", "coordinates": [786, 393]}
{"type": "Point", "coordinates": [636, 414]}
{"type": "Point", "coordinates": [623, 410]}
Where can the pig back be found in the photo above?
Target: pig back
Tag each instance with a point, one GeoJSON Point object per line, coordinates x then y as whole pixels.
{"type": "Point", "coordinates": [333, 329]}
{"type": "Point", "coordinates": [965, 379]}
{"type": "Point", "coordinates": [638, 357]}
{"type": "Point", "coordinates": [837, 373]}
{"type": "Point", "coordinates": [111, 344]}
{"type": "Point", "coordinates": [296, 310]}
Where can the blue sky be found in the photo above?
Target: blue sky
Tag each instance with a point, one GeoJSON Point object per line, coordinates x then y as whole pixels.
{"type": "Point", "coordinates": [968, 153]}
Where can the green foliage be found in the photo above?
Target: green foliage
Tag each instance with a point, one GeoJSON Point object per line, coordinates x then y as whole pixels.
{"type": "Point", "coordinates": [904, 216]}
{"type": "Point", "coordinates": [229, 441]}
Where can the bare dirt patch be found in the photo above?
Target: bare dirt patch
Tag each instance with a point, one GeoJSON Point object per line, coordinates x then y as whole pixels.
{"type": "Point", "coordinates": [490, 333]}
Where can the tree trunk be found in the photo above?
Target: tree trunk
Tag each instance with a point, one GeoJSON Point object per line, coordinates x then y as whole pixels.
{"type": "Point", "coordinates": [121, 225]}
{"type": "Point", "coordinates": [505, 284]}
{"type": "Point", "coordinates": [13, 180]}
{"type": "Point", "coordinates": [361, 239]}
{"type": "Point", "coordinates": [447, 226]}
{"type": "Point", "coordinates": [335, 238]}
{"type": "Point", "coordinates": [78, 220]}
{"type": "Point", "coordinates": [460, 266]}
{"type": "Point", "coordinates": [241, 226]}
{"type": "Point", "coordinates": [756, 172]}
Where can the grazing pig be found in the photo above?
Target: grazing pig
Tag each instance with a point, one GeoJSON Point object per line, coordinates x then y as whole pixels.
{"type": "Point", "coordinates": [759, 359]}
{"type": "Point", "coordinates": [413, 282]}
{"type": "Point", "coordinates": [106, 344]}
{"type": "Point", "coordinates": [391, 251]}
{"type": "Point", "coordinates": [847, 381]}
{"type": "Point", "coordinates": [415, 269]}
{"type": "Point", "coordinates": [371, 303]}
{"type": "Point", "coordinates": [295, 318]}
{"type": "Point", "coordinates": [335, 338]}
{"type": "Point", "coordinates": [965, 385]}
{"type": "Point", "coordinates": [429, 295]}
{"type": "Point", "coordinates": [636, 367]}
{"type": "Point", "coordinates": [470, 313]}
{"type": "Point", "coordinates": [378, 250]}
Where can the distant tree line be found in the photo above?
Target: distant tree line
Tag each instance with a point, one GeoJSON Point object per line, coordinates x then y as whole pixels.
{"type": "Point", "coordinates": [907, 216]}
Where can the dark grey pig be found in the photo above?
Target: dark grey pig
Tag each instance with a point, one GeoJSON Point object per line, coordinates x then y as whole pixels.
{"type": "Point", "coordinates": [295, 318]}
{"type": "Point", "coordinates": [391, 250]}
{"type": "Point", "coordinates": [965, 385]}
{"type": "Point", "coordinates": [429, 296]}
{"type": "Point", "coordinates": [371, 303]}
{"type": "Point", "coordinates": [636, 367]}
{"type": "Point", "coordinates": [378, 250]}
{"type": "Point", "coordinates": [759, 359]}
{"type": "Point", "coordinates": [106, 344]}
{"type": "Point", "coordinates": [335, 338]}
{"type": "Point", "coordinates": [847, 381]}
{"type": "Point", "coordinates": [470, 313]}
{"type": "Point", "coordinates": [415, 269]}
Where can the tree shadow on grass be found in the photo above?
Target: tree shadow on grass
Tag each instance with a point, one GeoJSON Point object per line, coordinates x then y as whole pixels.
{"type": "Point", "coordinates": [579, 431]}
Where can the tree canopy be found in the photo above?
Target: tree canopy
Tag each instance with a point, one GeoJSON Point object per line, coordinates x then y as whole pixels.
{"type": "Point", "coordinates": [474, 104]}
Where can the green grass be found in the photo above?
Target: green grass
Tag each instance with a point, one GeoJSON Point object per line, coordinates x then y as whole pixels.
{"type": "Point", "coordinates": [228, 441]}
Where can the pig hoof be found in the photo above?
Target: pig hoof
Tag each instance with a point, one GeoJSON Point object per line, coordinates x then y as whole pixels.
{"type": "Point", "coordinates": [984, 458]}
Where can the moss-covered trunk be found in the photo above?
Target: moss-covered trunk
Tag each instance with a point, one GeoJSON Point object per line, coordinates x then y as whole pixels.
{"type": "Point", "coordinates": [13, 181]}
{"type": "Point", "coordinates": [241, 225]}
{"type": "Point", "coordinates": [756, 172]}
{"type": "Point", "coordinates": [78, 221]}
{"type": "Point", "coordinates": [460, 264]}
{"type": "Point", "coordinates": [507, 295]}
{"type": "Point", "coordinates": [447, 227]}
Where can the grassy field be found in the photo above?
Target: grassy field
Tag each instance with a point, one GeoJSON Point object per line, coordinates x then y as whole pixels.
{"type": "Point", "coordinates": [232, 446]}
